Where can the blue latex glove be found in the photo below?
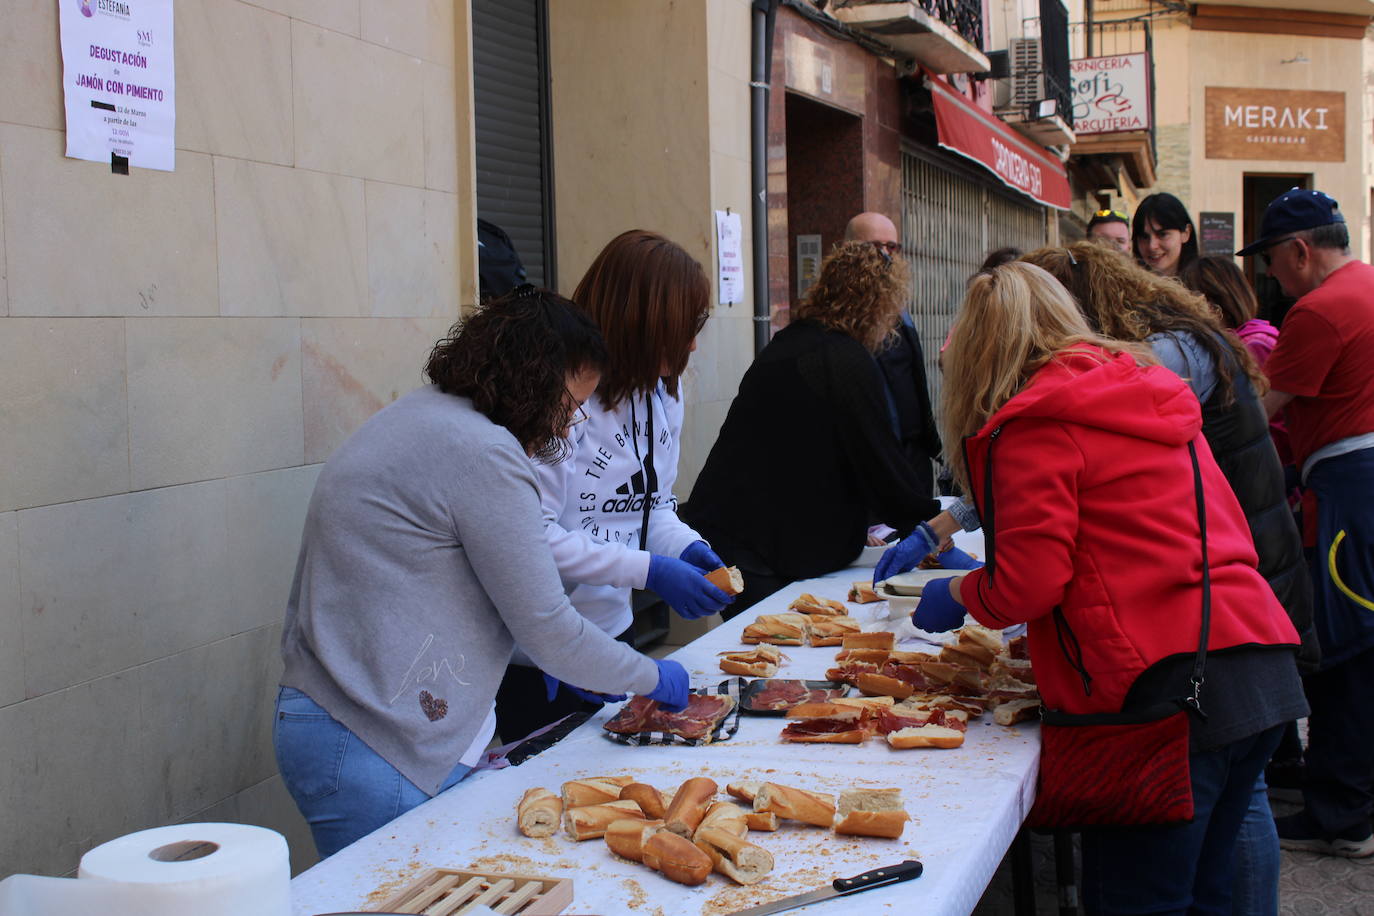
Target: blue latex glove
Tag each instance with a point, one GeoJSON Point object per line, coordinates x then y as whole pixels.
{"type": "Point", "coordinates": [937, 611]}
{"type": "Point", "coordinates": [954, 558]}
{"type": "Point", "coordinates": [551, 685]}
{"type": "Point", "coordinates": [685, 589]}
{"type": "Point", "coordinates": [700, 555]}
{"type": "Point", "coordinates": [673, 685]}
{"type": "Point", "coordinates": [909, 551]}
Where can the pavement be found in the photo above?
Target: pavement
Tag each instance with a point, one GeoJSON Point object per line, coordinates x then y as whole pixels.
{"type": "Point", "coordinates": [1309, 884]}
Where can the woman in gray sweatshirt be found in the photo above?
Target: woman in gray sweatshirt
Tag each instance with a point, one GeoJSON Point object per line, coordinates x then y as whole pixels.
{"type": "Point", "coordinates": [424, 561]}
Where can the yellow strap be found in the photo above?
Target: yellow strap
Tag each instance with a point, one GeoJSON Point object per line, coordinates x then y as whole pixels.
{"type": "Point", "coordinates": [1336, 576]}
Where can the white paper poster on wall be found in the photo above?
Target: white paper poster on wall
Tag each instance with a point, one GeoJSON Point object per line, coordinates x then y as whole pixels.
{"type": "Point", "coordinates": [729, 259]}
{"type": "Point", "coordinates": [119, 81]}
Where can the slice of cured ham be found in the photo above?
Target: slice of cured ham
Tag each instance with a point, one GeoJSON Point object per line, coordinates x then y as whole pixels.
{"type": "Point", "coordinates": [696, 722]}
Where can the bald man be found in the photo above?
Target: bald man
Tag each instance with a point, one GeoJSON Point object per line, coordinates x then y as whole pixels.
{"type": "Point", "coordinates": [902, 365]}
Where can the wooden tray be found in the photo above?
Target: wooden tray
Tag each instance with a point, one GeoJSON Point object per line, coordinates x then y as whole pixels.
{"type": "Point", "coordinates": [450, 892]}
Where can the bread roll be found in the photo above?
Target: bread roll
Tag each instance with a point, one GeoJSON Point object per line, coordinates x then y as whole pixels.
{"type": "Point", "coordinates": [1014, 711]}
{"type": "Point", "coordinates": [862, 592]}
{"type": "Point", "coordinates": [649, 799]}
{"type": "Point", "coordinates": [975, 634]}
{"type": "Point", "coordinates": [879, 639]}
{"type": "Point", "coordinates": [726, 816]}
{"type": "Point", "coordinates": [735, 857]}
{"type": "Point", "coordinates": [911, 658]}
{"type": "Point", "coordinates": [626, 837]}
{"type": "Point", "coordinates": [744, 789]}
{"type": "Point", "coordinates": [870, 704]}
{"type": "Point", "coordinates": [761, 661]}
{"type": "Point", "coordinates": [882, 685]}
{"type": "Point", "coordinates": [539, 813]}
{"type": "Point", "coordinates": [761, 820]}
{"type": "Point", "coordinates": [728, 579]}
{"type": "Point", "coordinates": [925, 736]}
{"type": "Point", "coordinates": [871, 812]}
{"type": "Point", "coordinates": [796, 804]}
{"type": "Point", "coordinates": [593, 790]}
{"type": "Point", "coordinates": [590, 821]}
{"type": "Point", "coordinates": [808, 603]}
{"type": "Point", "coordinates": [850, 656]}
{"type": "Point", "coordinates": [832, 631]}
{"type": "Point", "coordinates": [689, 806]}
{"type": "Point", "coordinates": [778, 629]}
{"type": "Point", "coordinates": [676, 858]}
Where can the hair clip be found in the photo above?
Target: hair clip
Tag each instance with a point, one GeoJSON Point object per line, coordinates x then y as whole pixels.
{"type": "Point", "coordinates": [1072, 259]}
{"type": "Point", "coordinates": [525, 291]}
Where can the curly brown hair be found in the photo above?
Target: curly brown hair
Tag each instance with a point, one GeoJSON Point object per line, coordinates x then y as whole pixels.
{"type": "Point", "coordinates": [1124, 301]}
{"type": "Point", "coordinates": [650, 298]}
{"type": "Point", "coordinates": [512, 358]}
{"type": "Point", "coordinates": [1218, 280]}
{"type": "Point", "coordinates": [860, 292]}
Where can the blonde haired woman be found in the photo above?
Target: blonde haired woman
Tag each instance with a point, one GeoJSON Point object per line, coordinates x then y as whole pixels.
{"type": "Point", "coordinates": [808, 453]}
{"type": "Point", "coordinates": [1076, 451]}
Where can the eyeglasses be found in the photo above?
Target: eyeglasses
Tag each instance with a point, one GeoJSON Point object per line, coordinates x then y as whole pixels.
{"type": "Point", "coordinates": [1267, 256]}
{"type": "Point", "coordinates": [1104, 214]}
{"type": "Point", "coordinates": [888, 248]}
{"type": "Point", "coordinates": [578, 415]}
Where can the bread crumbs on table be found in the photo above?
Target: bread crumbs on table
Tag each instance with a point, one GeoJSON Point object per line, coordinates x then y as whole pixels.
{"type": "Point", "coordinates": [637, 894]}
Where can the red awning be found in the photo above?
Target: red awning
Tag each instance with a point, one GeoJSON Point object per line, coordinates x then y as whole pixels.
{"type": "Point", "coordinates": [971, 132]}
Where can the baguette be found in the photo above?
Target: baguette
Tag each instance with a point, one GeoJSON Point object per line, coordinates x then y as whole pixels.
{"type": "Point", "coordinates": [879, 639]}
{"type": "Point", "coordinates": [761, 661]}
{"type": "Point", "coordinates": [593, 790]}
{"type": "Point", "coordinates": [832, 631]}
{"type": "Point", "coordinates": [826, 723]}
{"type": "Point", "coordinates": [539, 813]}
{"type": "Point", "coordinates": [590, 821]}
{"type": "Point", "coordinates": [871, 812]}
{"type": "Point", "coordinates": [966, 655]}
{"type": "Point", "coordinates": [850, 656]}
{"type": "Point", "coordinates": [761, 820]}
{"type": "Point", "coordinates": [649, 799]}
{"type": "Point", "coordinates": [728, 579]}
{"type": "Point", "coordinates": [808, 603]}
{"type": "Point", "coordinates": [912, 658]}
{"type": "Point", "coordinates": [676, 858]}
{"type": "Point", "coordinates": [925, 736]}
{"type": "Point", "coordinates": [627, 836]}
{"type": "Point", "coordinates": [871, 704]}
{"type": "Point", "coordinates": [726, 816]}
{"type": "Point", "coordinates": [736, 858]}
{"type": "Point", "coordinates": [744, 790]}
{"type": "Point", "coordinates": [882, 685]}
{"type": "Point", "coordinates": [689, 806]}
{"type": "Point", "coordinates": [778, 629]}
{"type": "Point", "coordinates": [862, 592]}
{"type": "Point", "coordinates": [796, 804]}
{"type": "Point", "coordinates": [976, 634]}
{"type": "Point", "coordinates": [1014, 711]}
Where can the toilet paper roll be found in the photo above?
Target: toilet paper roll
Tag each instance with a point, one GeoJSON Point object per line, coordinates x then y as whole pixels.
{"type": "Point", "coordinates": [206, 869]}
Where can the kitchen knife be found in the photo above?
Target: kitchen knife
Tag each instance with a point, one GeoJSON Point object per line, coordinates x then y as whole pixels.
{"type": "Point", "coordinates": [878, 877]}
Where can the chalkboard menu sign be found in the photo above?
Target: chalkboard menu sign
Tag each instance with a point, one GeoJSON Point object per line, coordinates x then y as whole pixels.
{"type": "Point", "coordinates": [1218, 231]}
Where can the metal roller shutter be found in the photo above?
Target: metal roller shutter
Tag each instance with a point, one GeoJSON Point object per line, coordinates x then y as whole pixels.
{"type": "Point", "coordinates": [950, 224]}
{"type": "Point", "coordinates": [510, 95]}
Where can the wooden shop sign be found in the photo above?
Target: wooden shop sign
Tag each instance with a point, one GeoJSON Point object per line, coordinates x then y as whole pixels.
{"type": "Point", "coordinates": [1286, 124]}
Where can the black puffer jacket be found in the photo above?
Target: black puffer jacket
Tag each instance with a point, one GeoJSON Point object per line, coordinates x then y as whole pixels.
{"type": "Point", "coordinates": [1238, 435]}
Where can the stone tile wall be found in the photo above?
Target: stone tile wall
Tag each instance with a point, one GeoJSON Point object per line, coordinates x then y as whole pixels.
{"type": "Point", "coordinates": [178, 353]}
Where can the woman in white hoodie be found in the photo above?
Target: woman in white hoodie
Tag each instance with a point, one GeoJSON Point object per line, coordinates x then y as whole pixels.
{"type": "Point", "coordinates": [609, 510]}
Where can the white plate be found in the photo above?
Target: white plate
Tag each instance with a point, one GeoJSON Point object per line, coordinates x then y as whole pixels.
{"type": "Point", "coordinates": [911, 583]}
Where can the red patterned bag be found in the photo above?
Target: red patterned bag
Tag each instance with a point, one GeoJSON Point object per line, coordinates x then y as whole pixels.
{"type": "Point", "coordinates": [1125, 769]}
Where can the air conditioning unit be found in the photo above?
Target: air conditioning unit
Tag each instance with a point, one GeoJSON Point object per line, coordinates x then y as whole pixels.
{"type": "Point", "coordinates": [1027, 73]}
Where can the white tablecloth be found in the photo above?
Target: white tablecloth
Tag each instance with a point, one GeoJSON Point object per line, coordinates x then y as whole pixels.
{"type": "Point", "coordinates": [966, 805]}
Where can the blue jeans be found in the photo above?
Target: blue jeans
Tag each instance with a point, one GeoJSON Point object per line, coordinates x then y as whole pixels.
{"type": "Point", "coordinates": [1256, 888]}
{"type": "Point", "coordinates": [1184, 869]}
{"type": "Point", "coordinates": [344, 788]}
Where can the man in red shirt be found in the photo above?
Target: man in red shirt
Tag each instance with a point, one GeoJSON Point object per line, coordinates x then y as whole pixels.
{"type": "Point", "coordinates": [1322, 376]}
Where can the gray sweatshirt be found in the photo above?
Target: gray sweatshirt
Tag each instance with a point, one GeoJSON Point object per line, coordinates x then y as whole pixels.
{"type": "Point", "coordinates": [422, 563]}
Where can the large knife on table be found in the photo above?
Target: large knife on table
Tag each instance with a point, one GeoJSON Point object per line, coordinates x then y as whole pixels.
{"type": "Point", "coordinates": [840, 887]}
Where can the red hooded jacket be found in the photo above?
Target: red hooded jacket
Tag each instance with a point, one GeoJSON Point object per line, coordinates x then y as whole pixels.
{"type": "Point", "coordinates": [1085, 488]}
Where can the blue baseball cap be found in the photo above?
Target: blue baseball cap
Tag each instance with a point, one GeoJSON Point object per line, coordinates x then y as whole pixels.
{"type": "Point", "coordinates": [1293, 211]}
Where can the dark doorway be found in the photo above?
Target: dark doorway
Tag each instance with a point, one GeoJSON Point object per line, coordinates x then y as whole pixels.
{"type": "Point", "coordinates": [825, 177]}
{"type": "Point", "coordinates": [1259, 190]}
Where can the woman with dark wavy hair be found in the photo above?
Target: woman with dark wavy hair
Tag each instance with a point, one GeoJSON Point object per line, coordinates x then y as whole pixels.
{"type": "Point", "coordinates": [611, 517]}
{"type": "Point", "coordinates": [808, 452]}
{"type": "Point", "coordinates": [422, 564]}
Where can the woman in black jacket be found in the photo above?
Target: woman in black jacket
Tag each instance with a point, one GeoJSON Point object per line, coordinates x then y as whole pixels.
{"type": "Point", "coordinates": [808, 452]}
